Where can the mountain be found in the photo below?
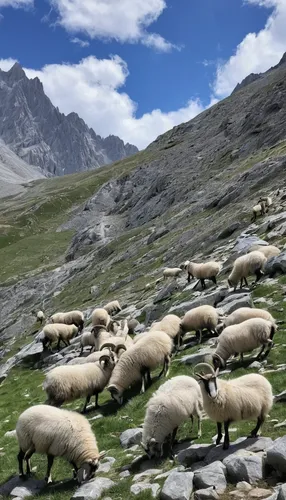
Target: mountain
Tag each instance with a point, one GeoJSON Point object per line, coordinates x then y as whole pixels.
{"type": "Point", "coordinates": [42, 136]}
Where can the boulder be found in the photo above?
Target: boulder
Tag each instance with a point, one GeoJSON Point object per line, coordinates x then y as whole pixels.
{"type": "Point", "coordinates": [244, 468]}
{"type": "Point", "coordinates": [282, 492]}
{"type": "Point", "coordinates": [276, 265]}
{"type": "Point", "coordinates": [228, 231]}
{"type": "Point", "coordinates": [194, 453]}
{"type": "Point", "coordinates": [130, 437]}
{"type": "Point", "coordinates": [199, 357]}
{"type": "Point", "coordinates": [276, 455]}
{"type": "Point", "coordinates": [234, 302]}
{"type": "Point", "coordinates": [30, 353]}
{"type": "Point", "coordinates": [259, 493]}
{"type": "Point", "coordinates": [159, 233]}
{"type": "Point", "coordinates": [178, 486]}
{"type": "Point", "coordinates": [253, 445]}
{"type": "Point", "coordinates": [105, 464]}
{"type": "Point", "coordinates": [206, 494]}
{"type": "Point", "coordinates": [167, 291]}
{"type": "Point", "coordinates": [92, 490]}
{"type": "Point", "coordinates": [211, 475]}
{"type": "Point", "coordinates": [138, 488]}
{"type": "Point", "coordinates": [244, 242]}
{"type": "Point", "coordinates": [16, 487]}
{"type": "Point", "coordinates": [146, 473]}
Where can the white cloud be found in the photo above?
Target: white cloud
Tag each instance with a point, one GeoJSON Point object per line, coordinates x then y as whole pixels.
{"type": "Point", "coordinates": [257, 52]}
{"type": "Point", "coordinates": [121, 20]}
{"type": "Point", "coordinates": [81, 43]}
{"type": "Point", "coordinates": [6, 64]}
{"type": "Point", "coordinates": [92, 89]}
{"type": "Point", "coordinates": [16, 3]}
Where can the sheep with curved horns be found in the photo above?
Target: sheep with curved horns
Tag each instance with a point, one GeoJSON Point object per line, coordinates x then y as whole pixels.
{"type": "Point", "coordinates": [100, 335]}
{"type": "Point", "coordinates": [58, 332]}
{"type": "Point", "coordinates": [118, 344]}
{"type": "Point", "coordinates": [244, 337]}
{"type": "Point", "coordinates": [225, 401]}
{"type": "Point", "coordinates": [113, 307]}
{"type": "Point", "coordinates": [173, 403]}
{"type": "Point", "coordinates": [172, 272]}
{"type": "Point", "coordinates": [247, 265]}
{"type": "Point", "coordinates": [69, 382]}
{"type": "Point", "coordinates": [202, 272]}
{"type": "Point", "coordinates": [91, 358]}
{"type": "Point", "coordinates": [267, 250]}
{"type": "Point", "coordinates": [200, 318]}
{"type": "Point", "coordinates": [243, 314]}
{"type": "Point", "coordinates": [138, 361]}
{"type": "Point", "coordinates": [69, 318]}
{"type": "Point", "coordinates": [57, 433]}
{"type": "Point", "coordinates": [258, 209]}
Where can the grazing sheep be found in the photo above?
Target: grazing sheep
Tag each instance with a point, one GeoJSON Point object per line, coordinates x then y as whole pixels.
{"type": "Point", "coordinates": [244, 337]}
{"type": "Point", "coordinates": [267, 250]}
{"type": "Point", "coordinates": [100, 336]}
{"type": "Point", "coordinates": [100, 316]}
{"type": "Point", "coordinates": [258, 209]}
{"type": "Point", "coordinates": [70, 382]}
{"type": "Point", "coordinates": [226, 401]}
{"type": "Point", "coordinates": [113, 307]}
{"type": "Point", "coordinates": [91, 358]}
{"type": "Point", "coordinates": [57, 433]}
{"type": "Point", "coordinates": [171, 325]}
{"type": "Point", "coordinates": [40, 316]}
{"type": "Point", "coordinates": [244, 313]}
{"type": "Point", "coordinates": [267, 201]}
{"type": "Point", "coordinates": [173, 403]}
{"type": "Point", "coordinates": [245, 266]}
{"type": "Point", "coordinates": [202, 272]}
{"type": "Point", "coordinates": [69, 318]}
{"type": "Point", "coordinates": [58, 332]}
{"type": "Point", "coordinates": [137, 363]}
{"type": "Point", "coordinates": [172, 272]}
{"type": "Point", "coordinates": [199, 318]}
{"type": "Point", "coordinates": [132, 324]}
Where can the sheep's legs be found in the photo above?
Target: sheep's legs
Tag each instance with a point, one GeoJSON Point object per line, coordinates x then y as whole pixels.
{"type": "Point", "coordinates": [192, 419]}
{"type": "Point", "coordinates": [226, 435]}
{"type": "Point", "coordinates": [143, 386]}
{"type": "Point", "coordinates": [269, 347]}
{"type": "Point", "coordinates": [27, 457]}
{"type": "Point", "coordinates": [189, 277]}
{"type": "Point", "coordinates": [254, 432]}
{"type": "Point", "coordinates": [203, 283]}
{"type": "Point", "coordinates": [20, 457]}
{"type": "Point", "coordinates": [219, 433]}
{"type": "Point", "coordinates": [258, 275]}
{"type": "Point", "coordinates": [213, 279]}
{"type": "Point", "coordinates": [199, 336]}
{"type": "Point", "coordinates": [96, 400]}
{"type": "Point", "coordinates": [241, 357]}
{"type": "Point", "coordinates": [85, 404]}
{"type": "Point", "coordinates": [197, 283]}
{"type": "Point", "coordinates": [48, 477]}
{"type": "Point", "coordinates": [166, 368]}
{"type": "Point", "coordinates": [75, 469]}
{"type": "Point", "coordinates": [260, 352]}
{"type": "Point", "coordinates": [199, 426]}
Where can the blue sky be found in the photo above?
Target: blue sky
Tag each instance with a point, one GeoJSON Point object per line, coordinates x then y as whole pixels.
{"type": "Point", "coordinates": [136, 68]}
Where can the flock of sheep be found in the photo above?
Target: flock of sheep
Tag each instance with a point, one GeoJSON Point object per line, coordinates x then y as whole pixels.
{"type": "Point", "coordinates": [118, 360]}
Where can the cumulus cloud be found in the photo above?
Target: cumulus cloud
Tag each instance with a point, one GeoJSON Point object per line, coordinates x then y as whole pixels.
{"type": "Point", "coordinates": [81, 43]}
{"type": "Point", "coordinates": [92, 88]}
{"type": "Point", "coordinates": [16, 4]}
{"type": "Point", "coordinates": [257, 52]}
{"type": "Point", "coordinates": [121, 20]}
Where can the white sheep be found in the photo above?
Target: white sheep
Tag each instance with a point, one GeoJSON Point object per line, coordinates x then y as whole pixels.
{"type": "Point", "coordinates": [202, 272]}
{"type": "Point", "coordinates": [132, 324]}
{"type": "Point", "coordinates": [200, 318]}
{"type": "Point", "coordinates": [244, 337]}
{"type": "Point", "coordinates": [245, 266]}
{"type": "Point", "coordinates": [100, 316]}
{"type": "Point", "coordinates": [113, 307]}
{"type": "Point", "coordinates": [91, 358]}
{"type": "Point", "coordinates": [267, 250]}
{"type": "Point", "coordinates": [100, 336]}
{"type": "Point", "coordinates": [226, 401]}
{"type": "Point", "coordinates": [58, 332]}
{"type": "Point", "coordinates": [267, 200]}
{"type": "Point", "coordinates": [69, 318]}
{"type": "Point", "coordinates": [173, 403]}
{"type": "Point", "coordinates": [118, 344]}
{"type": "Point", "coordinates": [258, 209]}
{"type": "Point", "coordinates": [69, 382]}
{"type": "Point", "coordinates": [40, 316]}
{"type": "Point", "coordinates": [87, 339]}
{"type": "Point", "coordinates": [244, 313]}
{"type": "Point", "coordinates": [138, 361]}
{"type": "Point", "coordinates": [57, 433]}
{"type": "Point", "coordinates": [172, 272]}
{"type": "Point", "coordinates": [171, 325]}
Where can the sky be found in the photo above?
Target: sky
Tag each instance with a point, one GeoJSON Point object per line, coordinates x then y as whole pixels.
{"type": "Point", "coordinates": [136, 68]}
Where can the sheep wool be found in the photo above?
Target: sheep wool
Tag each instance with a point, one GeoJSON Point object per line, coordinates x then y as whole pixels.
{"type": "Point", "coordinates": [173, 403]}
{"type": "Point", "coordinates": [172, 272]}
{"type": "Point", "coordinates": [245, 313]}
{"type": "Point", "coordinates": [57, 433]}
{"type": "Point", "coordinates": [69, 318]}
{"type": "Point", "coordinates": [100, 316]}
{"type": "Point", "coordinates": [207, 270]}
{"type": "Point", "coordinates": [199, 318]}
{"type": "Point", "coordinates": [113, 307]}
{"type": "Point", "coordinates": [267, 250]}
{"type": "Point", "coordinates": [171, 325]}
{"type": "Point", "coordinates": [245, 266]}
{"type": "Point", "coordinates": [40, 316]}
{"type": "Point", "coordinates": [58, 332]}
{"type": "Point", "coordinates": [91, 358]}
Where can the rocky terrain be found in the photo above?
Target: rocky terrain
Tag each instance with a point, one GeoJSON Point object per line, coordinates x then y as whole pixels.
{"type": "Point", "coordinates": [41, 135]}
{"type": "Point", "coordinates": [80, 240]}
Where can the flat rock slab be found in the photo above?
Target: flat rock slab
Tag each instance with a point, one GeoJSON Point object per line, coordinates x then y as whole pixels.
{"type": "Point", "coordinates": [259, 493]}
{"type": "Point", "coordinates": [194, 453]}
{"type": "Point", "coordinates": [198, 357]}
{"type": "Point", "coordinates": [253, 444]}
{"type": "Point", "coordinates": [178, 486]}
{"type": "Point", "coordinates": [130, 437]}
{"type": "Point", "coordinates": [211, 475]}
{"type": "Point", "coordinates": [207, 494]}
{"type": "Point", "coordinates": [93, 489]}
{"type": "Point", "coordinates": [244, 468]}
{"type": "Point", "coordinates": [17, 487]}
{"type": "Point", "coordinates": [138, 488]}
{"type": "Point", "coordinates": [276, 455]}
{"type": "Point", "coordinates": [282, 493]}
{"type": "Point", "coordinates": [105, 464]}
{"type": "Point", "coordinates": [146, 473]}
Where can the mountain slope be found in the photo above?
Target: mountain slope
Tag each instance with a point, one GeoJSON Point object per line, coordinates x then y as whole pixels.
{"type": "Point", "coordinates": [40, 135]}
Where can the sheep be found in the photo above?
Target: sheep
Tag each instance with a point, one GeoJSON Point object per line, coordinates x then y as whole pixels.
{"type": "Point", "coordinates": [118, 344]}
{"type": "Point", "coordinates": [100, 336]}
{"type": "Point", "coordinates": [244, 313]}
{"type": "Point", "coordinates": [40, 316]}
{"type": "Point", "coordinates": [244, 337]}
{"type": "Point", "coordinates": [100, 316]}
{"type": "Point", "coordinates": [113, 307]}
{"type": "Point", "coordinates": [267, 250]}
{"type": "Point", "coordinates": [245, 266]}
{"type": "Point", "coordinates": [258, 209]}
{"type": "Point", "coordinates": [171, 325]}
{"type": "Point", "coordinates": [267, 201]}
{"type": "Point", "coordinates": [69, 318]}
{"type": "Point", "coordinates": [57, 433]}
{"type": "Point", "coordinates": [199, 318]}
{"type": "Point", "coordinates": [172, 404]}
{"type": "Point", "coordinates": [91, 358]}
{"type": "Point", "coordinates": [136, 363]}
{"type": "Point", "coordinates": [202, 272]}
{"type": "Point", "coordinates": [132, 324]}
{"type": "Point", "coordinates": [172, 272]}
{"type": "Point", "coordinates": [227, 401]}
{"type": "Point", "coordinates": [87, 339]}
{"type": "Point", "coordinates": [58, 332]}
{"type": "Point", "coordinates": [70, 382]}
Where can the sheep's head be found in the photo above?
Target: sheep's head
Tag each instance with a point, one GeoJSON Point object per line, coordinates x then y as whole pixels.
{"type": "Point", "coordinates": [207, 378]}
{"type": "Point", "coordinates": [116, 393]}
{"type": "Point", "coordinates": [89, 468]}
{"type": "Point", "coordinates": [218, 362]}
{"type": "Point", "coordinates": [107, 362]}
{"type": "Point", "coordinates": [153, 448]}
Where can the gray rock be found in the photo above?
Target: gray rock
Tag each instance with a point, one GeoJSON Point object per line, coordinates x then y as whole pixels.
{"type": "Point", "coordinates": [10, 433]}
{"type": "Point", "coordinates": [130, 437]}
{"type": "Point", "coordinates": [242, 443]}
{"type": "Point", "coordinates": [235, 302]}
{"type": "Point", "coordinates": [207, 298]}
{"type": "Point", "coordinates": [259, 493]}
{"type": "Point", "coordinates": [146, 473]}
{"type": "Point", "coordinates": [282, 492]}
{"type": "Point", "coordinates": [159, 233]}
{"type": "Point", "coordinates": [178, 486]}
{"type": "Point", "coordinates": [167, 291]}
{"type": "Point", "coordinates": [280, 397]}
{"type": "Point", "coordinates": [255, 365]}
{"type": "Point", "coordinates": [16, 487]}
{"type": "Point", "coordinates": [95, 291]}
{"type": "Point", "coordinates": [92, 490]}
{"type": "Point", "coordinates": [198, 357]}
{"type": "Point", "coordinates": [244, 468]}
{"type": "Point", "coordinates": [30, 353]}
{"type": "Point", "coordinates": [194, 453]}
{"type": "Point", "coordinates": [211, 475]}
{"type": "Point", "coordinates": [53, 359]}
{"type": "Point", "coordinates": [138, 488]}
{"type": "Point", "coordinates": [244, 242]}
{"type": "Point", "coordinates": [228, 231]}
{"type": "Point", "coordinates": [124, 474]}
{"type": "Point", "coordinates": [105, 464]}
{"type": "Point", "coordinates": [273, 497]}
{"type": "Point", "coordinates": [276, 455]}
{"type": "Point", "coordinates": [206, 494]}
{"type": "Point", "coordinates": [166, 474]}
{"type": "Point", "coordinates": [276, 265]}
